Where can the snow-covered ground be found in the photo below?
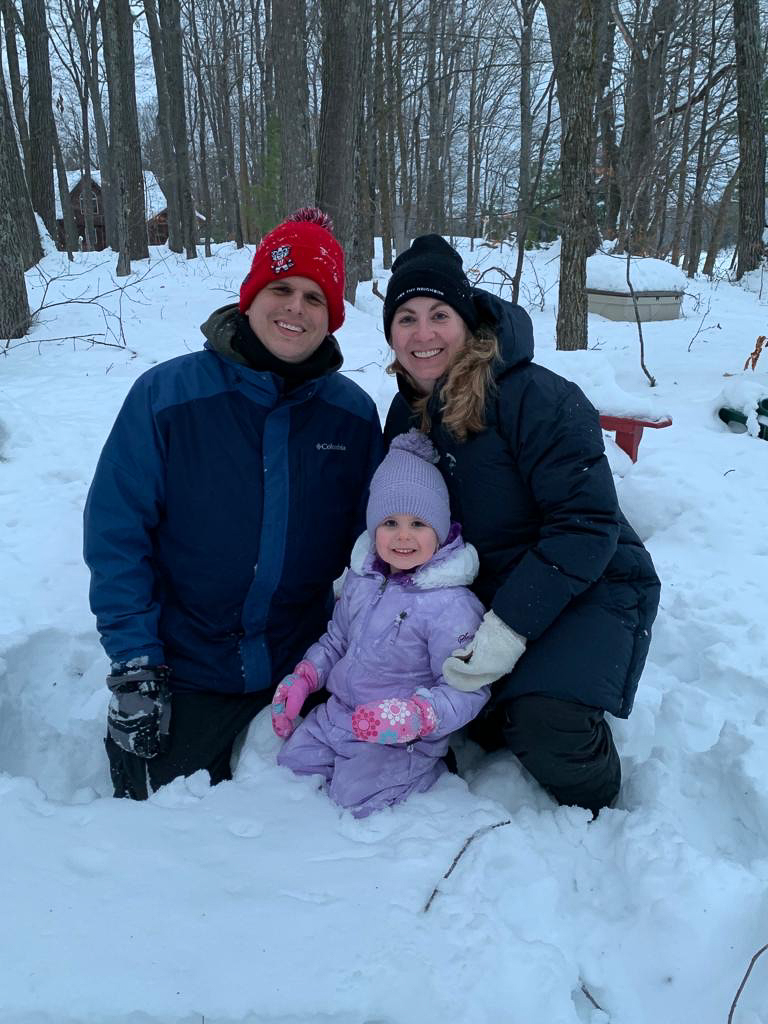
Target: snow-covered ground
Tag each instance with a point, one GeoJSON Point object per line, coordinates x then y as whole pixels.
{"type": "Point", "coordinates": [259, 901]}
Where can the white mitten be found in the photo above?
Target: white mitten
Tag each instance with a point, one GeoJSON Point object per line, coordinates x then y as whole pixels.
{"type": "Point", "coordinates": [492, 653]}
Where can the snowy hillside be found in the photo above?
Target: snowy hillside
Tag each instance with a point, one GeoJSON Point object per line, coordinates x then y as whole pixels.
{"type": "Point", "coordinates": [259, 901]}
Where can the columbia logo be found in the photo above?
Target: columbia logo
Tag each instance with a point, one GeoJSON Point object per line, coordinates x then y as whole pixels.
{"type": "Point", "coordinates": [326, 446]}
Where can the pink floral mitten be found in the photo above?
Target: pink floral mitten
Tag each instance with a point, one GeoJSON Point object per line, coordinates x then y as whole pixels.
{"type": "Point", "coordinates": [289, 697]}
{"type": "Point", "coordinates": [394, 720]}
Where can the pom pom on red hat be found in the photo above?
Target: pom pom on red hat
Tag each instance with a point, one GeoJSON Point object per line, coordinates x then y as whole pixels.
{"type": "Point", "coordinates": [302, 246]}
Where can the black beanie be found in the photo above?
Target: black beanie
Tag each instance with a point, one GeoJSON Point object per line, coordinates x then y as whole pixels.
{"type": "Point", "coordinates": [430, 267]}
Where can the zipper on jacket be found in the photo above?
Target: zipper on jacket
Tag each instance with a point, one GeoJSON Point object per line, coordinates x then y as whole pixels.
{"type": "Point", "coordinates": [398, 623]}
{"type": "Point", "coordinates": [369, 611]}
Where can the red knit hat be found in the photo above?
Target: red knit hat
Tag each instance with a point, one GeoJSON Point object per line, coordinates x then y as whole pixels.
{"type": "Point", "coordinates": [301, 246]}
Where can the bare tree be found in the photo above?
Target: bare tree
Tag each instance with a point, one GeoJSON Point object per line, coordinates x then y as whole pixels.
{"type": "Point", "coordinates": [169, 178]}
{"type": "Point", "coordinates": [14, 305]}
{"type": "Point", "coordinates": [575, 72]}
{"type": "Point", "coordinates": [12, 23]}
{"type": "Point", "coordinates": [644, 89]}
{"type": "Point", "coordinates": [288, 41]}
{"type": "Point", "coordinates": [170, 23]}
{"type": "Point", "coordinates": [749, 79]}
{"type": "Point", "coordinates": [67, 214]}
{"type": "Point", "coordinates": [124, 128]}
{"type": "Point", "coordinates": [346, 35]}
{"type": "Point", "coordinates": [41, 126]}
{"type": "Point", "coordinates": [26, 238]}
{"type": "Point", "coordinates": [68, 41]}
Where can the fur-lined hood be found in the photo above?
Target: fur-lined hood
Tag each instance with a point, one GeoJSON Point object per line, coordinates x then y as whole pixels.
{"type": "Point", "coordinates": [454, 564]}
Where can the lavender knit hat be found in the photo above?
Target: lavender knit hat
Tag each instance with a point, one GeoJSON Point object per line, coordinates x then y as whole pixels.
{"type": "Point", "coordinates": [408, 483]}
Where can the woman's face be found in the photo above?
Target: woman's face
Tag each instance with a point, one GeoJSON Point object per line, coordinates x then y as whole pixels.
{"type": "Point", "coordinates": [426, 336]}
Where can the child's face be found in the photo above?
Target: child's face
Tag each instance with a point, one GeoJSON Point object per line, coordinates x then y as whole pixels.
{"type": "Point", "coordinates": [404, 542]}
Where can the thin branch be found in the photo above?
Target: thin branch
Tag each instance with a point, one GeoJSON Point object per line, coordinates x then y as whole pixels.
{"type": "Point", "coordinates": [701, 325]}
{"type": "Point", "coordinates": [460, 854]}
{"type": "Point", "coordinates": [697, 97]}
{"type": "Point", "coordinates": [651, 378]}
{"type": "Point", "coordinates": [752, 963]}
{"type": "Point", "coordinates": [508, 279]}
{"type": "Point", "coordinates": [591, 998]}
{"type": "Point", "coordinates": [621, 25]}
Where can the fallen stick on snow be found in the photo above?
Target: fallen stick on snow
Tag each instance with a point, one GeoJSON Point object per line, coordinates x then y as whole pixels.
{"type": "Point", "coordinates": [744, 980]}
{"type": "Point", "coordinates": [459, 855]}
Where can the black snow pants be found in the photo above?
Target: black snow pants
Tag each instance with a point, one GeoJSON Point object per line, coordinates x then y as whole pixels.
{"type": "Point", "coordinates": [567, 747]}
{"type": "Point", "coordinates": [204, 727]}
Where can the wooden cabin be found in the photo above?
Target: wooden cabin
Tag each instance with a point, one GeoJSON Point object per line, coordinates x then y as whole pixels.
{"type": "Point", "coordinates": [154, 200]}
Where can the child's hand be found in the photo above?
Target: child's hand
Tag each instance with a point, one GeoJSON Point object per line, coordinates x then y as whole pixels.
{"type": "Point", "coordinates": [394, 720]}
{"type": "Point", "coordinates": [290, 696]}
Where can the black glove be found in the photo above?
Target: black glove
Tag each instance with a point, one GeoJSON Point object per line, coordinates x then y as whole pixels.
{"type": "Point", "coordinates": [139, 714]}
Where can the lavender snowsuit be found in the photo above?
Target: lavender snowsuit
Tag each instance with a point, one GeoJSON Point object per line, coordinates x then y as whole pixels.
{"type": "Point", "coordinates": [389, 637]}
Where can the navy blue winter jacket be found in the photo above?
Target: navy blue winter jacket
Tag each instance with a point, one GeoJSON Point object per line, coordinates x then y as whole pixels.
{"type": "Point", "coordinates": [221, 511]}
{"type": "Point", "coordinates": [534, 493]}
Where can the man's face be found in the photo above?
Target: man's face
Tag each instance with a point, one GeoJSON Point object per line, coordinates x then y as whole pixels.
{"type": "Point", "coordinates": [289, 316]}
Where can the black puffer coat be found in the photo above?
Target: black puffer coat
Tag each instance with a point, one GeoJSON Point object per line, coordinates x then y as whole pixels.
{"type": "Point", "coordinates": [558, 561]}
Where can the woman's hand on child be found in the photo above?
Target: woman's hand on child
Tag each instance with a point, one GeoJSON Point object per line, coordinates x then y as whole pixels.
{"type": "Point", "coordinates": [289, 697]}
{"type": "Point", "coordinates": [394, 720]}
{"type": "Point", "coordinates": [492, 653]}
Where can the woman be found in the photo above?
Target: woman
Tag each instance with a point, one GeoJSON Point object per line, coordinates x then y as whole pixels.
{"type": "Point", "coordinates": [570, 590]}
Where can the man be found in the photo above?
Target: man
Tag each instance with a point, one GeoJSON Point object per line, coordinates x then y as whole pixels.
{"type": "Point", "coordinates": [225, 502]}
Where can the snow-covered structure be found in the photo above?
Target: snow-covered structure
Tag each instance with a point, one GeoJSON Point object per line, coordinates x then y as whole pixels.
{"type": "Point", "coordinates": [155, 208]}
{"type": "Point", "coordinates": [658, 287]}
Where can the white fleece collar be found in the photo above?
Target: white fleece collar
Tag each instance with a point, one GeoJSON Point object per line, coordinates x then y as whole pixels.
{"type": "Point", "coordinates": [456, 570]}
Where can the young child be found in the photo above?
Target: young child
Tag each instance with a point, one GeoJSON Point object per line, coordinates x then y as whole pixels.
{"type": "Point", "coordinates": [404, 608]}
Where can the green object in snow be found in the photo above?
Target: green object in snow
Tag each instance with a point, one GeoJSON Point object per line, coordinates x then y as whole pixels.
{"type": "Point", "coordinates": [736, 421]}
{"type": "Point", "coordinates": [733, 419]}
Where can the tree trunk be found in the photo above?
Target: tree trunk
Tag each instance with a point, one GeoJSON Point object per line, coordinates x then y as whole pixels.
{"type": "Point", "coordinates": [644, 88]}
{"type": "Point", "coordinates": [366, 196]}
{"type": "Point", "coordinates": [169, 179]}
{"type": "Point", "coordinates": [346, 34]}
{"type": "Point", "coordinates": [606, 125]}
{"type": "Point", "coordinates": [14, 305]}
{"type": "Point", "coordinates": [432, 194]}
{"type": "Point", "coordinates": [576, 81]}
{"type": "Point", "coordinates": [204, 186]}
{"type": "Point", "coordinates": [693, 254]}
{"type": "Point", "coordinates": [70, 230]}
{"type": "Point", "coordinates": [288, 40]}
{"type": "Point", "coordinates": [682, 181]}
{"type": "Point", "coordinates": [527, 11]}
{"type": "Point", "coordinates": [386, 140]}
{"type": "Point", "coordinates": [14, 73]}
{"type": "Point", "coordinates": [749, 80]}
{"type": "Point", "coordinates": [716, 237]}
{"type": "Point", "coordinates": [124, 126]}
{"type": "Point", "coordinates": [107, 175]}
{"type": "Point", "coordinates": [40, 113]}
{"type": "Point", "coordinates": [16, 195]}
{"type": "Point", "coordinates": [89, 242]}
{"type": "Point", "coordinates": [170, 24]}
